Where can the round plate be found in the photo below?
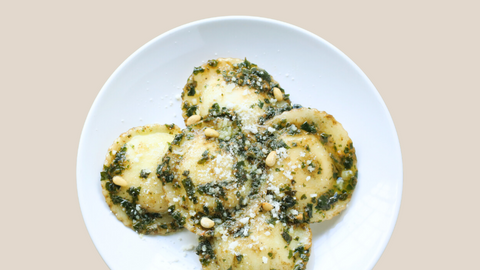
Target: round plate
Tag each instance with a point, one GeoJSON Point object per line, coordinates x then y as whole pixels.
{"type": "Point", "coordinates": [144, 90]}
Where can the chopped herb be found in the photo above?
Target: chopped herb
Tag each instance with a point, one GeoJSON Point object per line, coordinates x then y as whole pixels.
{"type": "Point", "coordinates": [178, 138]}
{"type": "Point", "coordinates": [287, 237]}
{"type": "Point", "coordinates": [308, 128]}
{"type": "Point", "coordinates": [191, 110]}
{"type": "Point", "coordinates": [189, 188]}
{"type": "Point", "coordinates": [119, 164]}
{"type": "Point", "coordinates": [144, 173]}
{"type": "Point", "coordinates": [134, 192]}
{"type": "Point", "coordinates": [205, 251]}
{"type": "Point", "coordinates": [212, 63]}
{"type": "Point", "coordinates": [204, 157]}
{"type": "Point", "coordinates": [260, 104]}
{"type": "Point", "coordinates": [197, 70]}
{"type": "Point", "coordinates": [190, 87]}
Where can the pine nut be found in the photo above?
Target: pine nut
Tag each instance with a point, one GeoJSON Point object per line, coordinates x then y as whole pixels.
{"type": "Point", "coordinates": [207, 223]}
{"type": "Point", "coordinates": [266, 206]}
{"type": "Point", "coordinates": [271, 159]}
{"type": "Point", "coordinates": [118, 180]}
{"type": "Point", "coordinates": [209, 132]}
{"type": "Point", "coordinates": [277, 93]}
{"type": "Point", "coordinates": [193, 119]}
{"type": "Point", "coordinates": [299, 216]}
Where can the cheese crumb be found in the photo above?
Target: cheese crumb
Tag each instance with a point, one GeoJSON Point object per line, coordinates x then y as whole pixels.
{"type": "Point", "coordinates": [188, 247]}
{"type": "Point", "coordinates": [244, 220]}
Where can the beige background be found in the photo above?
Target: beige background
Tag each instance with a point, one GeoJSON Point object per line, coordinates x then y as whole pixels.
{"type": "Point", "coordinates": [423, 57]}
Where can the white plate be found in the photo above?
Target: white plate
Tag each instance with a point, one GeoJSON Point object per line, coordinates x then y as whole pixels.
{"type": "Point", "coordinates": [316, 74]}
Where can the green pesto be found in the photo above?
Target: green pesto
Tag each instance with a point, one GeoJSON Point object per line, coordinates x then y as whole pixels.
{"type": "Point", "coordinates": [324, 138]}
{"type": "Point", "coordinates": [144, 173]}
{"type": "Point", "coordinates": [197, 70]}
{"type": "Point", "coordinates": [118, 165]}
{"type": "Point", "coordinates": [212, 63]}
{"type": "Point", "coordinates": [287, 237]}
{"type": "Point", "coordinates": [248, 74]}
{"type": "Point", "coordinates": [204, 158]}
{"type": "Point", "coordinates": [205, 251]}
{"type": "Point", "coordinates": [190, 189]}
{"type": "Point", "coordinates": [242, 232]}
{"type": "Point", "coordinates": [213, 189]}
{"type": "Point", "coordinates": [141, 217]}
{"type": "Point", "coordinates": [308, 127]}
{"type": "Point", "coordinates": [191, 88]}
{"type": "Point", "coordinates": [164, 172]}
{"type": "Point", "coordinates": [179, 219]}
{"type": "Point", "coordinates": [190, 110]}
{"type": "Point", "coordinates": [178, 138]}
{"type": "Point", "coordinates": [134, 192]}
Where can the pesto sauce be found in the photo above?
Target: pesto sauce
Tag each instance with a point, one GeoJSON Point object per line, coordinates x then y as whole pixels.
{"type": "Point", "coordinates": [189, 110]}
{"type": "Point", "coordinates": [213, 189]}
{"type": "Point", "coordinates": [190, 87]}
{"type": "Point", "coordinates": [205, 251]}
{"type": "Point", "coordinates": [197, 70]}
{"type": "Point", "coordinates": [119, 164]}
{"type": "Point", "coordinates": [144, 173]}
{"type": "Point", "coordinates": [164, 172]}
{"type": "Point", "coordinates": [212, 63]}
{"type": "Point", "coordinates": [310, 128]}
{"type": "Point", "coordinates": [189, 189]}
{"type": "Point", "coordinates": [286, 236]}
{"type": "Point", "coordinates": [204, 157]}
{"type": "Point", "coordinates": [248, 74]}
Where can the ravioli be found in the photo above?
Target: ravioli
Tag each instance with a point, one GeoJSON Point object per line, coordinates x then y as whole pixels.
{"type": "Point", "coordinates": [247, 175]}
{"type": "Point", "coordinates": [262, 243]}
{"type": "Point", "coordinates": [315, 172]}
{"type": "Point", "coordinates": [234, 86]}
{"type": "Point", "coordinates": [209, 177]}
{"type": "Point", "coordinates": [129, 182]}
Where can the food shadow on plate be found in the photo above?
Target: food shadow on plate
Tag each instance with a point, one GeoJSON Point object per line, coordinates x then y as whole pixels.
{"type": "Point", "coordinates": [319, 230]}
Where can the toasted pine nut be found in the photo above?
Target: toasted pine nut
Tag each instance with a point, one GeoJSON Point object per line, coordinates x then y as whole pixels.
{"type": "Point", "coordinates": [209, 132]}
{"type": "Point", "coordinates": [271, 159]}
{"type": "Point", "coordinates": [266, 206]}
{"type": "Point", "coordinates": [299, 216]}
{"type": "Point", "coordinates": [207, 223]}
{"type": "Point", "coordinates": [193, 119]}
{"type": "Point", "coordinates": [118, 180]}
{"type": "Point", "coordinates": [277, 93]}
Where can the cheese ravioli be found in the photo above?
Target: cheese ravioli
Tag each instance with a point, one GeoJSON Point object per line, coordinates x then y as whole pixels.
{"type": "Point", "coordinates": [234, 86]}
{"type": "Point", "coordinates": [261, 244]}
{"type": "Point", "coordinates": [315, 172]}
{"type": "Point", "coordinates": [129, 182]}
{"type": "Point", "coordinates": [209, 177]}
